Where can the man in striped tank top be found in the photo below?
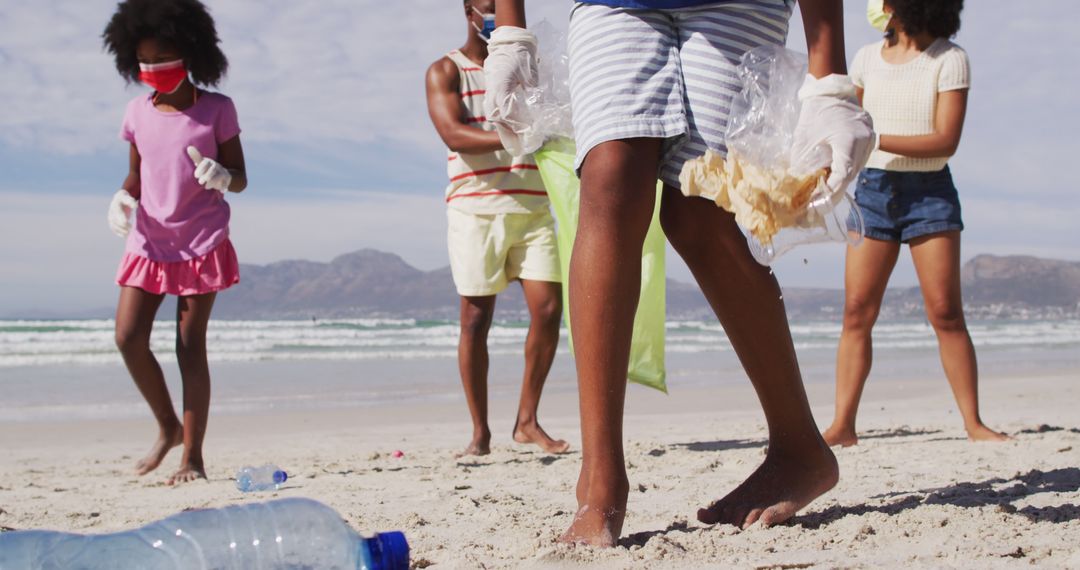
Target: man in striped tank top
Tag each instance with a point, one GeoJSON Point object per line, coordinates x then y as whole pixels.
{"type": "Point", "coordinates": [651, 85]}
{"type": "Point", "coordinates": [500, 230]}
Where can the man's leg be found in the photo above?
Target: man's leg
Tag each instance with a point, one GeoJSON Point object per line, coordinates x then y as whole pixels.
{"type": "Point", "coordinates": [476, 315]}
{"type": "Point", "coordinates": [618, 193]}
{"type": "Point", "coordinates": [544, 299]}
{"type": "Point", "coordinates": [747, 299]}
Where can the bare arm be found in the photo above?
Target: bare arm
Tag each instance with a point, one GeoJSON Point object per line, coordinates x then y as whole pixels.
{"type": "Point", "coordinates": [948, 124]}
{"type": "Point", "coordinates": [510, 13]}
{"type": "Point", "coordinates": [133, 182]}
{"type": "Point", "coordinates": [823, 21]}
{"type": "Point", "coordinates": [445, 109]}
{"type": "Point", "coordinates": [231, 156]}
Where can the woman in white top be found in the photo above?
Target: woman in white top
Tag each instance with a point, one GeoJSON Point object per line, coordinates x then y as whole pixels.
{"type": "Point", "coordinates": [914, 83]}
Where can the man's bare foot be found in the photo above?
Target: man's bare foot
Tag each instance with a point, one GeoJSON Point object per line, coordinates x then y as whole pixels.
{"type": "Point", "coordinates": [480, 445]}
{"type": "Point", "coordinates": [780, 487]}
{"type": "Point", "coordinates": [167, 439]}
{"type": "Point", "coordinates": [188, 472]}
{"type": "Point", "coordinates": [842, 436]}
{"type": "Point", "coordinates": [531, 432]}
{"type": "Point", "coordinates": [599, 520]}
{"type": "Point", "coordinates": [982, 433]}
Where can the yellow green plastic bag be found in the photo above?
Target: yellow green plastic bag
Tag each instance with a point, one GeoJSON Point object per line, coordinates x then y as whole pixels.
{"type": "Point", "coordinates": [556, 163]}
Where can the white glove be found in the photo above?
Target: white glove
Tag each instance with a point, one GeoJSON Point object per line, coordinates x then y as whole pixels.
{"type": "Point", "coordinates": [209, 173]}
{"type": "Point", "coordinates": [509, 72]}
{"type": "Point", "coordinates": [120, 211]}
{"type": "Point", "coordinates": [834, 131]}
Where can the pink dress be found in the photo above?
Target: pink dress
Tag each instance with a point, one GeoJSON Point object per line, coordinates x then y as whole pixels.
{"type": "Point", "coordinates": [180, 243]}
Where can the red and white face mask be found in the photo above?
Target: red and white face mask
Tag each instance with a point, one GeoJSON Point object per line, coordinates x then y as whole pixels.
{"type": "Point", "coordinates": [163, 77]}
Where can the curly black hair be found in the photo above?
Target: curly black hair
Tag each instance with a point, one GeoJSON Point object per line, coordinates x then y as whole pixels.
{"type": "Point", "coordinates": [185, 25]}
{"type": "Point", "coordinates": [939, 18]}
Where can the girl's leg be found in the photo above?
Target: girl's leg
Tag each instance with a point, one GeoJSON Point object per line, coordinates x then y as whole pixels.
{"type": "Point", "coordinates": [747, 299]}
{"type": "Point", "coordinates": [937, 263]}
{"type": "Point", "coordinates": [544, 299]}
{"type": "Point", "coordinates": [192, 317]}
{"type": "Point", "coordinates": [618, 193]}
{"type": "Point", "coordinates": [134, 320]}
{"type": "Point", "coordinates": [866, 274]}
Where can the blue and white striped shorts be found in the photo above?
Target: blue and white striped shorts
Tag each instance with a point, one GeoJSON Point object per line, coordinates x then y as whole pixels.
{"type": "Point", "coordinates": [666, 74]}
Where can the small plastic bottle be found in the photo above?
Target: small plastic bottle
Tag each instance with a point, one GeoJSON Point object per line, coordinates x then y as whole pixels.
{"type": "Point", "coordinates": [275, 535]}
{"type": "Point", "coordinates": [260, 478]}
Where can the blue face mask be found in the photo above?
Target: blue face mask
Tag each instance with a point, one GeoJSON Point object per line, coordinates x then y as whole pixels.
{"type": "Point", "coordinates": [489, 25]}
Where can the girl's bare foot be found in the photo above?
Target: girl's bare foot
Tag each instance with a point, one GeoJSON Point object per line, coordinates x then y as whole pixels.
{"type": "Point", "coordinates": [188, 472]}
{"type": "Point", "coordinates": [599, 520]}
{"type": "Point", "coordinates": [780, 487]}
{"type": "Point", "coordinates": [480, 444]}
{"type": "Point", "coordinates": [168, 438]}
{"type": "Point", "coordinates": [840, 435]}
{"type": "Point", "coordinates": [531, 432]}
{"type": "Point", "coordinates": [982, 433]}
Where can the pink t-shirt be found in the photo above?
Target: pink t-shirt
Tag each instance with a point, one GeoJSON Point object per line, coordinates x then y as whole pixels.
{"type": "Point", "coordinates": [178, 219]}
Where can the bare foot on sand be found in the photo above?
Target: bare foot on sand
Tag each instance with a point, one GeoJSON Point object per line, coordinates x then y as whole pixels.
{"type": "Point", "coordinates": [167, 439]}
{"type": "Point", "coordinates": [780, 487]}
{"type": "Point", "coordinates": [189, 472]}
{"type": "Point", "coordinates": [531, 432]}
{"type": "Point", "coordinates": [480, 445]}
{"type": "Point", "coordinates": [839, 435]}
{"type": "Point", "coordinates": [982, 433]}
{"type": "Point", "coordinates": [599, 520]}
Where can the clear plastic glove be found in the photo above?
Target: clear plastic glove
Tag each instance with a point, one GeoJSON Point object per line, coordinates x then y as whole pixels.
{"type": "Point", "coordinates": [831, 117]}
{"type": "Point", "coordinates": [209, 173]}
{"type": "Point", "coordinates": [120, 212]}
{"type": "Point", "coordinates": [510, 70]}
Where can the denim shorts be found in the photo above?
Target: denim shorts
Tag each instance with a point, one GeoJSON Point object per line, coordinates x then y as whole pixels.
{"type": "Point", "coordinates": [901, 206]}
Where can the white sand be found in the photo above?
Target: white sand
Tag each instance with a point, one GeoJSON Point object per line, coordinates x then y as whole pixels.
{"type": "Point", "coordinates": [913, 494]}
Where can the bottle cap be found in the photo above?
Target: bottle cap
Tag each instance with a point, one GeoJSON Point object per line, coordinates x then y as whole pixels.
{"type": "Point", "coordinates": [389, 551]}
{"type": "Point", "coordinates": [280, 477]}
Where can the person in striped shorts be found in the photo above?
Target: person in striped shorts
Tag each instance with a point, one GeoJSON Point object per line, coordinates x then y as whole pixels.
{"type": "Point", "coordinates": [651, 83]}
{"type": "Point", "coordinates": [500, 230]}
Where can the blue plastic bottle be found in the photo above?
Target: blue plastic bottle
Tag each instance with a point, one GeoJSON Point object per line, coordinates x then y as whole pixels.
{"type": "Point", "coordinates": [276, 535]}
{"type": "Point", "coordinates": [263, 478]}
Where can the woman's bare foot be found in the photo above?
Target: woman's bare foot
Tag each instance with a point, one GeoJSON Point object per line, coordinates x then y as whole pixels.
{"type": "Point", "coordinates": [188, 472]}
{"type": "Point", "coordinates": [780, 487]}
{"type": "Point", "coordinates": [840, 435]}
{"type": "Point", "coordinates": [480, 444]}
{"type": "Point", "coordinates": [600, 517]}
{"type": "Point", "coordinates": [982, 433]}
{"type": "Point", "coordinates": [168, 438]}
{"type": "Point", "coordinates": [531, 432]}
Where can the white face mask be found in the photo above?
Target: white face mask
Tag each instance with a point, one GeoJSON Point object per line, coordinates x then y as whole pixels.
{"type": "Point", "coordinates": [489, 25]}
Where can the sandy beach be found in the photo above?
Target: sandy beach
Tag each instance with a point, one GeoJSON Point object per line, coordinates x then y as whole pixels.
{"type": "Point", "coordinates": [914, 493]}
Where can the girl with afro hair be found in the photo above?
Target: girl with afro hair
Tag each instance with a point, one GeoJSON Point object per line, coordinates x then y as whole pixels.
{"type": "Point", "coordinates": [914, 83]}
{"type": "Point", "coordinates": [185, 154]}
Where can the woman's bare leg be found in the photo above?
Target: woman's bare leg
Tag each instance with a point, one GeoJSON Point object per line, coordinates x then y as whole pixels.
{"type": "Point", "coordinates": [134, 321]}
{"type": "Point", "coordinates": [937, 262]}
{"type": "Point", "coordinates": [866, 275]}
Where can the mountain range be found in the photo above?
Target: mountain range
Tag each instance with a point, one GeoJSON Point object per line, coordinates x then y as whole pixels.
{"type": "Point", "coordinates": [371, 283]}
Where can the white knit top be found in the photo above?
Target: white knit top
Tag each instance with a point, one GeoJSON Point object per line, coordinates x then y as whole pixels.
{"type": "Point", "coordinates": [902, 98]}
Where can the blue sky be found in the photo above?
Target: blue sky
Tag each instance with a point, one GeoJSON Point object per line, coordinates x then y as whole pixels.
{"type": "Point", "coordinates": [341, 154]}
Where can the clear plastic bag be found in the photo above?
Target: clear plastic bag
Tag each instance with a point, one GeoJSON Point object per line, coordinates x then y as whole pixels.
{"type": "Point", "coordinates": [758, 177]}
{"type": "Point", "coordinates": [549, 101]}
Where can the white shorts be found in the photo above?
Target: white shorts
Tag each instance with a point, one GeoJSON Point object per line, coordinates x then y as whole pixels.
{"type": "Point", "coordinates": [487, 251]}
{"type": "Point", "coordinates": [664, 73]}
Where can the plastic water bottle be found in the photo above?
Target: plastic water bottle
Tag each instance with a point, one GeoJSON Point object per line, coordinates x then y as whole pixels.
{"type": "Point", "coordinates": [276, 535]}
{"type": "Point", "coordinates": [260, 478]}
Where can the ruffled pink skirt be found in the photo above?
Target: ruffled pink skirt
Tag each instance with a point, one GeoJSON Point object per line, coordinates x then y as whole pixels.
{"type": "Point", "coordinates": [215, 271]}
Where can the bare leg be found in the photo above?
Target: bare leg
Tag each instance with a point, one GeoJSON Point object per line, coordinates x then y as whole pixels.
{"type": "Point", "coordinates": [476, 315]}
{"type": "Point", "coordinates": [937, 262]}
{"type": "Point", "coordinates": [866, 274]}
{"type": "Point", "coordinates": [618, 192]}
{"type": "Point", "coordinates": [134, 321]}
{"type": "Point", "coordinates": [192, 318]}
{"type": "Point", "coordinates": [545, 312]}
{"type": "Point", "coordinates": [746, 298]}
